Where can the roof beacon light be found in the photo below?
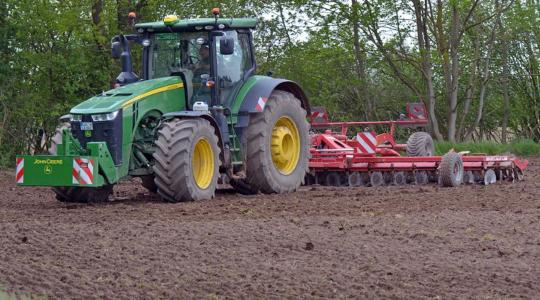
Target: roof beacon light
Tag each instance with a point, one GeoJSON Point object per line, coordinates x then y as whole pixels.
{"type": "Point", "coordinates": [170, 20]}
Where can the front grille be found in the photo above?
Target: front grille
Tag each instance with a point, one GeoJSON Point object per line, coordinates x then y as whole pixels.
{"type": "Point", "coordinates": [105, 131]}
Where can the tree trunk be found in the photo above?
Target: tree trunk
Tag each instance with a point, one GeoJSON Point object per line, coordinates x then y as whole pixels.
{"type": "Point", "coordinates": [427, 73]}
{"type": "Point", "coordinates": [453, 75]}
{"type": "Point", "coordinates": [360, 64]}
{"type": "Point", "coordinates": [505, 85]}
{"type": "Point", "coordinates": [483, 82]}
{"type": "Point", "coordinates": [471, 87]}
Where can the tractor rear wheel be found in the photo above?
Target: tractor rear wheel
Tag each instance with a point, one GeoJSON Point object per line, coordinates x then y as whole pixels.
{"type": "Point", "coordinates": [186, 160]}
{"type": "Point", "coordinates": [420, 144]}
{"type": "Point", "coordinates": [277, 145]}
{"type": "Point", "coordinates": [76, 194]}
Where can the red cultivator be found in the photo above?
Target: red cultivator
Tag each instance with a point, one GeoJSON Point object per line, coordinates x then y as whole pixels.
{"type": "Point", "coordinates": [369, 159]}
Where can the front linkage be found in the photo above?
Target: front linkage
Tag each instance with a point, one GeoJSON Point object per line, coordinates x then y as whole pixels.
{"type": "Point", "coordinates": [73, 166]}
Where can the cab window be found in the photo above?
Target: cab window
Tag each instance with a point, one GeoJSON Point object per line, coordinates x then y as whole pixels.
{"type": "Point", "coordinates": [232, 68]}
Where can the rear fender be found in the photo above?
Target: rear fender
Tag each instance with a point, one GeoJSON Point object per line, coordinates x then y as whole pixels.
{"type": "Point", "coordinates": [255, 99]}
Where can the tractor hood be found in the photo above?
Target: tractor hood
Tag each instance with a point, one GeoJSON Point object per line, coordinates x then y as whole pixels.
{"type": "Point", "coordinates": [124, 96]}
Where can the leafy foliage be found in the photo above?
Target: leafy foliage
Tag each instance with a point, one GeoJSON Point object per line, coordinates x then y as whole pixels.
{"type": "Point", "coordinates": [361, 59]}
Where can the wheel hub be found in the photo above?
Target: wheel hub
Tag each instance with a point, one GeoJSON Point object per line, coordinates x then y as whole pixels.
{"type": "Point", "coordinates": [203, 163]}
{"type": "Point", "coordinates": [285, 145]}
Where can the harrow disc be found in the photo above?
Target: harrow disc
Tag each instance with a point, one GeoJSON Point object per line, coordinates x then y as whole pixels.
{"type": "Point", "coordinates": [490, 177]}
{"type": "Point", "coordinates": [518, 174]}
{"type": "Point", "coordinates": [400, 178]}
{"type": "Point", "coordinates": [421, 178]}
{"type": "Point", "coordinates": [333, 179]}
{"type": "Point", "coordinates": [376, 179]}
{"type": "Point", "coordinates": [510, 176]}
{"type": "Point", "coordinates": [310, 179]}
{"type": "Point", "coordinates": [468, 177]}
{"type": "Point", "coordinates": [356, 179]}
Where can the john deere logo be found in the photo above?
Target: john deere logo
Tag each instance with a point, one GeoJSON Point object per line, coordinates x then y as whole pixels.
{"type": "Point", "coordinates": [48, 170]}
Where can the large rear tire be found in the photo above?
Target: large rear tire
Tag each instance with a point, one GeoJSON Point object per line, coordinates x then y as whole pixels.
{"type": "Point", "coordinates": [277, 145]}
{"type": "Point", "coordinates": [420, 144]}
{"type": "Point", "coordinates": [186, 160]}
{"type": "Point", "coordinates": [76, 194]}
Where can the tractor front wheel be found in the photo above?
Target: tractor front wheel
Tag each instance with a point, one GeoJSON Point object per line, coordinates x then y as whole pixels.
{"type": "Point", "coordinates": [186, 160]}
{"type": "Point", "coordinates": [277, 146]}
{"type": "Point", "coordinates": [76, 194]}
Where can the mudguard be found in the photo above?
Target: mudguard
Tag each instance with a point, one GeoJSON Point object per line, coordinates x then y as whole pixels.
{"type": "Point", "coordinates": [258, 94]}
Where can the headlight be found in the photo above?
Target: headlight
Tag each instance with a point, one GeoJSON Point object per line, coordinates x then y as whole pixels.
{"type": "Point", "coordinates": [76, 118]}
{"type": "Point", "coordinates": [105, 117]}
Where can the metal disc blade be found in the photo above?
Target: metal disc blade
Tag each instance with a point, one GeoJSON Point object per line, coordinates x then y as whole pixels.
{"type": "Point", "coordinates": [490, 177]}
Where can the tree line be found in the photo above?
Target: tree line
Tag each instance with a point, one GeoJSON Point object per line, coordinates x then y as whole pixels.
{"type": "Point", "coordinates": [475, 64]}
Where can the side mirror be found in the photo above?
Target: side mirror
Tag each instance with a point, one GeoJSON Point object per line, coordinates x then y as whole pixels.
{"type": "Point", "coordinates": [116, 50]}
{"type": "Point", "coordinates": [226, 45]}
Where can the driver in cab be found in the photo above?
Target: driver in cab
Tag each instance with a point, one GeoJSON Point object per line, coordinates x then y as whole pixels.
{"type": "Point", "coordinates": [203, 66]}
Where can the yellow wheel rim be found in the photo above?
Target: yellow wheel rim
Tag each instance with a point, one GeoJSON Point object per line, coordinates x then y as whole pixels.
{"type": "Point", "coordinates": [285, 145]}
{"type": "Point", "coordinates": [203, 163]}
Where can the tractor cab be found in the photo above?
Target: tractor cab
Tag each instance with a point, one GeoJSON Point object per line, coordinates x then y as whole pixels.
{"type": "Point", "coordinates": [213, 56]}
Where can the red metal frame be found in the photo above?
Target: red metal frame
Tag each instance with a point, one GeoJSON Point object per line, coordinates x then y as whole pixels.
{"type": "Point", "coordinates": [416, 116]}
{"type": "Point", "coordinates": [334, 151]}
{"type": "Point", "coordinates": [354, 161]}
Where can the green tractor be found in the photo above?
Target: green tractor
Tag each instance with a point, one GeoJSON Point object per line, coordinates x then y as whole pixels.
{"type": "Point", "coordinates": [198, 115]}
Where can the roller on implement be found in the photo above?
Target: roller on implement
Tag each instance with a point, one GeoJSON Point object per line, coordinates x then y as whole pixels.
{"type": "Point", "coordinates": [370, 159]}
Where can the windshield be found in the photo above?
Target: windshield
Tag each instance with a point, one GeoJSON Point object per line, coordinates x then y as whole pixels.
{"type": "Point", "coordinates": [179, 51]}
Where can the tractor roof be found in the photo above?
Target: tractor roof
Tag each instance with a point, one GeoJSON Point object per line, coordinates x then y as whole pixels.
{"type": "Point", "coordinates": [191, 24]}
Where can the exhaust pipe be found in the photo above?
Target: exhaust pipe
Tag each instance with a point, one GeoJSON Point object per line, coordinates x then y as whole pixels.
{"type": "Point", "coordinates": [120, 49]}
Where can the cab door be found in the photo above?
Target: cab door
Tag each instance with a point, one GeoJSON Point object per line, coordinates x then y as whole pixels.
{"type": "Point", "coordinates": [233, 69]}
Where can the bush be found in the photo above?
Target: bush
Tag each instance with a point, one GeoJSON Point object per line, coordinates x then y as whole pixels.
{"type": "Point", "coordinates": [517, 147]}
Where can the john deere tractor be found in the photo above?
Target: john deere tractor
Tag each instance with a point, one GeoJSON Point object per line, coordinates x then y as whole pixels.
{"type": "Point", "coordinates": [197, 115]}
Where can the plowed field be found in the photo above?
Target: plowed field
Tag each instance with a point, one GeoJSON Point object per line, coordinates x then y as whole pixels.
{"type": "Point", "coordinates": [392, 242]}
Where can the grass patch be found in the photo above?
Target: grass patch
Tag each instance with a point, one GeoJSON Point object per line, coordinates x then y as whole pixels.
{"type": "Point", "coordinates": [518, 147]}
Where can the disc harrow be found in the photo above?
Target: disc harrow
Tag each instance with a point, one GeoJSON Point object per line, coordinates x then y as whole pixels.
{"type": "Point", "coordinates": [370, 159]}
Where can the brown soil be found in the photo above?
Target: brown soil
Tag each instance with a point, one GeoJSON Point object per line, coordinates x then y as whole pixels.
{"type": "Point", "coordinates": [391, 242]}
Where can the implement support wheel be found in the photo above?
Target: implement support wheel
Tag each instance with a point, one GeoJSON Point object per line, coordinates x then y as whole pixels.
{"type": "Point", "coordinates": [451, 170]}
{"type": "Point", "coordinates": [420, 144]}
